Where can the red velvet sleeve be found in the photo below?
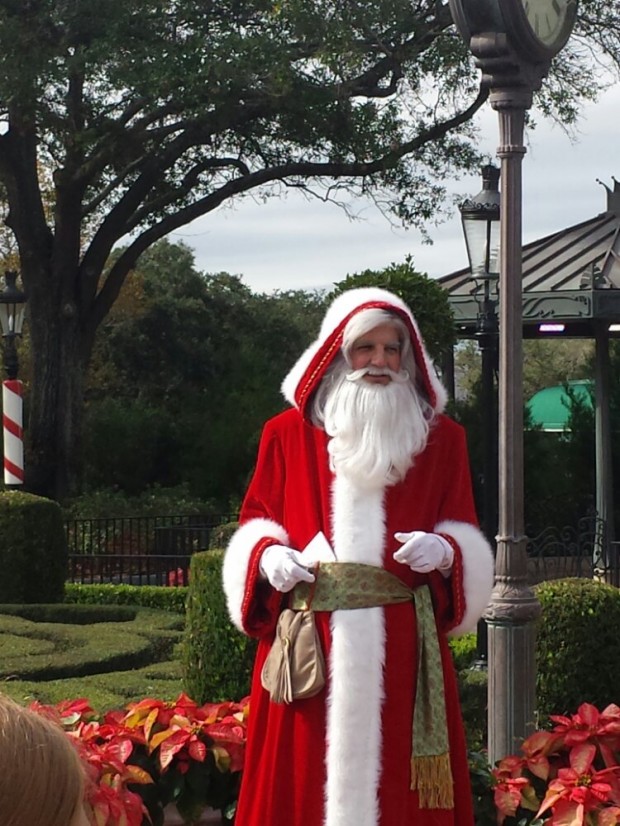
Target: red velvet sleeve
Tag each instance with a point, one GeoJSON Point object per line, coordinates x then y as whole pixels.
{"type": "Point", "coordinates": [458, 524]}
{"type": "Point", "coordinates": [263, 500]}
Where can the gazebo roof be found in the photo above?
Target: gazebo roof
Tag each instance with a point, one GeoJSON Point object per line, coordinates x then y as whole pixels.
{"type": "Point", "coordinates": [570, 278]}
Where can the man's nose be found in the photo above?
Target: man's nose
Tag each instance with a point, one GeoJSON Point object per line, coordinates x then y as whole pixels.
{"type": "Point", "coordinates": [378, 357]}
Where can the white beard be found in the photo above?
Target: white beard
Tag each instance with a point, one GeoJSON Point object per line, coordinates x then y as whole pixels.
{"type": "Point", "coordinates": [376, 430]}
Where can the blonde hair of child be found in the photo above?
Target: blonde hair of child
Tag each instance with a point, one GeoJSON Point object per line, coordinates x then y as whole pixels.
{"type": "Point", "coordinates": [41, 773]}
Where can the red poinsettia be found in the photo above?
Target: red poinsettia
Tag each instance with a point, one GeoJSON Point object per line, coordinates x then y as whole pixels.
{"type": "Point", "coordinates": [569, 776]}
{"type": "Point", "coordinates": [147, 743]}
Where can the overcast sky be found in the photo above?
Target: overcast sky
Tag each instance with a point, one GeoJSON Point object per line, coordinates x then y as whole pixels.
{"type": "Point", "coordinates": [294, 243]}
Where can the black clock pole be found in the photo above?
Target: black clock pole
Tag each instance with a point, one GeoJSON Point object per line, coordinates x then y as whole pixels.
{"type": "Point", "coordinates": [514, 58]}
{"type": "Point", "coordinates": [514, 606]}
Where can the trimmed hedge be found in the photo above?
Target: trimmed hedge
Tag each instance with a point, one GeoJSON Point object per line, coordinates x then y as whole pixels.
{"type": "Point", "coordinates": [72, 614]}
{"type": "Point", "coordinates": [33, 549]}
{"type": "Point", "coordinates": [104, 692]}
{"type": "Point", "coordinates": [148, 596]}
{"type": "Point", "coordinates": [62, 650]}
{"type": "Point", "coordinates": [221, 535]}
{"type": "Point", "coordinates": [217, 659]}
{"type": "Point", "coordinates": [577, 645]}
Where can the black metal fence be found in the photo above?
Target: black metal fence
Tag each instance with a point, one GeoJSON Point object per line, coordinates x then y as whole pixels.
{"type": "Point", "coordinates": [156, 550]}
{"type": "Point", "coordinates": [582, 550]}
{"type": "Point", "coordinates": [149, 550]}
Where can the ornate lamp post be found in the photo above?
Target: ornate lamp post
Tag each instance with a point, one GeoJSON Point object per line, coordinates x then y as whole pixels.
{"type": "Point", "coordinates": [12, 307]}
{"type": "Point", "coordinates": [513, 42]}
{"type": "Point", "coordinates": [480, 216]}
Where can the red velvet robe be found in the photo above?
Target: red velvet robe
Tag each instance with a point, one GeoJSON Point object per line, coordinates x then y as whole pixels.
{"type": "Point", "coordinates": [342, 758]}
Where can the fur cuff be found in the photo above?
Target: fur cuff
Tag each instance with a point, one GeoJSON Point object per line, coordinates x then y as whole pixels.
{"type": "Point", "coordinates": [237, 561]}
{"type": "Point", "coordinates": [478, 565]}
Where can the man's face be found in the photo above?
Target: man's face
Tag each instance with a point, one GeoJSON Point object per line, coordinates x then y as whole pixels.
{"type": "Point", "coordinates": [379, 348]}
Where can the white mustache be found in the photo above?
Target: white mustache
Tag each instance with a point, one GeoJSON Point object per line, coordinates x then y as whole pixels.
{"type": "Point", "coordinates": [401, 376]}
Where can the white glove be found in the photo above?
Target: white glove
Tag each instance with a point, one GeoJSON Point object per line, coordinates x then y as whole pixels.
{"type": "Point", "coordinates": [425, 552]}
{"type": "Point", "coordinates": [283, 568]}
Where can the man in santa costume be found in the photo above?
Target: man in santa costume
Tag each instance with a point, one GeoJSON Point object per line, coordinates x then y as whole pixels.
{"type": "Point", "coordinates": [366, 461]}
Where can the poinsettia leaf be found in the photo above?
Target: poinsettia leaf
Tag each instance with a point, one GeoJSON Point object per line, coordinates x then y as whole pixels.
{"type": "Point", "coordinates": [529, 799]}
{"type": "Point", "coordinates": [161, 737]}
{"type": "Point", "coordinates": [222, 758]}
{"type": "Point", "coordinates": [550, 800]}
{"type": "Point", "coordinates": [171, 747]}
{"type": "Point", "coordinates": [581, 757]}
{"type": "Point", "coordinates": [197, 750]}
{"type": "Point", "coordinates": [134, 774]}
{"type": "Point", "coordinates": [121, 749]}
{"type": "Point", "coordinates": [588, 715]}
{"type": "Point", "coordinates": [568, 813]}
{"type": "Point", "coordinates": [609, 816]}
{"type": "Point", "coordinates": [539, 766]}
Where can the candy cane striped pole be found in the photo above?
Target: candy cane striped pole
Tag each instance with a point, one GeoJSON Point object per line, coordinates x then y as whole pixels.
{"type": "Point", "coordinates": [12, 426]}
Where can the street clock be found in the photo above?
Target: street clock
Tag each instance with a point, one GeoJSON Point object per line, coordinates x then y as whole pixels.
{"type": "Point", "coordinates": [535, 29]}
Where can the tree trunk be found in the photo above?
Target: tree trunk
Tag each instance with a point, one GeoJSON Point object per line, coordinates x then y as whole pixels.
{"type": "Point", "coordinates": [59, 359]}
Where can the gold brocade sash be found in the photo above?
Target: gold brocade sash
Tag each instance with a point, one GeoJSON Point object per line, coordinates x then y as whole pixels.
{"type": "Point", "coordinates": [350, 585]}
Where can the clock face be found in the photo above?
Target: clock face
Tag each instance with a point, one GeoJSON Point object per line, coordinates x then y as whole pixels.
{"type": "Point", "coordinates": [547, 19]}
{"type": "Point", "coordinates": [535, 29]}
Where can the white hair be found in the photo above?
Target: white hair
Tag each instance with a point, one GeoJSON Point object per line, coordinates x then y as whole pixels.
{"type": "Point", "coordinates": [367, 320]}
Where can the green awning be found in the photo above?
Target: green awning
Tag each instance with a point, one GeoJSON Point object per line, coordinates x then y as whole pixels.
{"type": "Point", "coordinates": [550, 407]}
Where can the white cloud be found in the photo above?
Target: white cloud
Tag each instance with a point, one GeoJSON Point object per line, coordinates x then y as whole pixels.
{"type": "Point", "coordinates": [298, 243]}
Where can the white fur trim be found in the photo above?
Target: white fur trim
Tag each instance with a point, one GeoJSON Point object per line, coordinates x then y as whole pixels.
{"type": "Point", "coordinates": [478, 566]}
{"type": "Point", "coordinates": [296, 373]}
{"type": "Point", "coordinates": [237, 559]}
{"type": "Point", "coordinates": [342, 305]}
{"type": "Point", "coordinates": [355, 698]}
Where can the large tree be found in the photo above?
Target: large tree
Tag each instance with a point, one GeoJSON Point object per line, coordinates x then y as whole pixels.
{"type": "Point", "coordinates": [149, 113]}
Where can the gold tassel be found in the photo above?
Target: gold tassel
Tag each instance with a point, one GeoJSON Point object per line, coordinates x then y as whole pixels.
{"type": "Point", "coordinates": [431, 775]}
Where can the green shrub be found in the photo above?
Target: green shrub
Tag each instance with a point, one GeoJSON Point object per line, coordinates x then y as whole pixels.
{"type": "Point", "coordinates": [104, 691]}
{"type": "Point", "coordinates": [473, 690]}
{"type": "Point", "coordinates": [217, 659]}
{"type": "Point", "coordinates": [67, 650]}
{"type": "Point", "coordinates": [154, 501]}
{"type": "Point", "coordinates": [33, 549]}
{"type": "Point", "coordinates": [221, 534]}
{"type": "Point", "coordinates": [71, 614]}
{"type": "Point", "coordinates": [577, 646]}
{"type": "Point", "coordinates": [148, 596]}
{"type": "Point", "coordinates": [463, 650]}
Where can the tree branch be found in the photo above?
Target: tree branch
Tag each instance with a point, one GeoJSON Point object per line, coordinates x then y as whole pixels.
{"type": "Point", "coordinates": [128, 259]}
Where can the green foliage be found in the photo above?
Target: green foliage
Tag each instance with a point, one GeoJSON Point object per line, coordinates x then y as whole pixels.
{"type": "Point", "coordinates": [119, 431]}
{"type": "Point", "coordinates": [217, 355]}
{"type": "Point", "coordinates": [217, 659]}
{"type": "Point", "coordinates": [33, 550]}
{"type": "Point", "coordinates": [463, 650]}
{"type": "Point", "coordinates": [104, 691]}
{"type": "Point", "coordinates": [154, 501]}
{"type": "Point", "coordinates": [147, 596]}
{"type": "Point", "coordinates": [485, 812]}
{"type": "Point", "coordinates": [428, 301]}
{"type": "Point", "coordinates": [71, 614]}
{"type": "Point", "coordinates": [71, 650]}
{"type": "Point", "coordinates": [558, 467]}
{"type": "Point", "coordinates": [221, 535]}
{"type": "Point", "coordinates": [473, 691]}
{"type": "Point", "coordinates": [578, 646]}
